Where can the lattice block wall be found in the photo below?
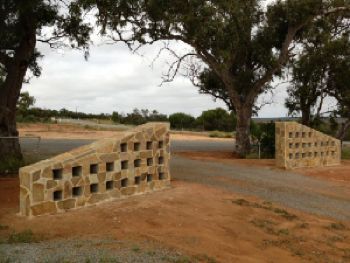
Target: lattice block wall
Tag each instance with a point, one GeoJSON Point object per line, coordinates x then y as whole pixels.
{"type": "Point", "coordinates": [300, 146]}
{"type": "Point", "coordinates": [133, 162]}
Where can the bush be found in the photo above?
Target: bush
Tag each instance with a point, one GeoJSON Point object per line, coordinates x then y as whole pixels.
{"type": "Point", "coordinates": [25, 236]}
{"type": "Point", "coordinates": [217, 120]}
{"type": "Point", "coordinates": [180, 121]}
{"type": "Point", "coordinates": [10, 165]}
{"type": "Point", "coordinates": [264, 133]}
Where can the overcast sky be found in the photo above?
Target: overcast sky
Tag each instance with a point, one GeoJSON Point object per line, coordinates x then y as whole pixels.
{"type": "Point", "coordinates": [114, 79]}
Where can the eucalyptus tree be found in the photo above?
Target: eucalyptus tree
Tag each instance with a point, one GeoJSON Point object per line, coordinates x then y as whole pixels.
{"type": "Point", "coordinates": [23, 24]}
{"type": "Point", "coordinates": [243, 42]}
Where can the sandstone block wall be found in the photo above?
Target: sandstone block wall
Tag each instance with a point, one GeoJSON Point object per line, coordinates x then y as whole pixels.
{"type": "Point", "coordinates": [133, 162]}
{"type": "Point", "coordinates": [300, 146]}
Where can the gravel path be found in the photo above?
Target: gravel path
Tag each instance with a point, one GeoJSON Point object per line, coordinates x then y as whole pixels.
{"type": "Point", "coordinates": [292, 190]}
{"type": "Point", "coordinates": [69, 251]}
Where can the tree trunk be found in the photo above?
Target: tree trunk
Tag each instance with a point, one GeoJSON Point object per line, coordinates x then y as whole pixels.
{"type": "Point", "coordinates": [10, 150]}
{"type": "Point", "coordinates": [244, 114]}
{"type": "Point", "coordinates": [305, 116]}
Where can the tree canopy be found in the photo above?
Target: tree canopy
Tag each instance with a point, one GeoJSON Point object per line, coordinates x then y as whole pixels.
{"type": "Point", "coordinates": [243, 43]}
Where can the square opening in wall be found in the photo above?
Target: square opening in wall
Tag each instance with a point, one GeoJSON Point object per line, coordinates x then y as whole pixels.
{"type": "Point", "coordinates": [303, 155]}
{"type": "Point", "coordinates": [124, 165]}
{"type": "Point", "coordinates": [297, 145]}
{"type": "Point", "coordinates": [93, 188]}
{"type": "Point", "coordinates": [303, 134]}
{"type": "Point", "coordinates": [124, 147]}
{"type": "Point", "coordinates": [77, 170]}
{"type": "Point", "coordinates": [290, 135]}
{"type": "Point", "coordinates": [310, 154]}
{"type": "Point", "coordinates": [162, 176]}
{"type": "Point", "coordinates": [333, 153]}
{"type": "Point", "coordinates": [109, 185]}
{"type": "Point", "coordinates": [161, 160]}
{"type": "Point", "coordinates": [110, 167]}
{"type": "Point", "coordinates": [297, 135]}
{"type": "Point", "coordinates": [290, 145]}
{"type": "Point", "coordinates": [309, 144]}
{"type": "Point", "coordinates": [124, 182]}
{"type": "Point", "coordinates": [149, 145]}
{"type": "Point", "coordinates": [160, 144]}
{"type": "Point", "coordinates": [137, 146]}
{"type": "Point", "coordinates": [316, 144]}
{"type": "Point", "coordinates": [316, 154]}
{"type": "Point", "coordinates": [149, 178]}
{"type": "Point", "coordinates": [304, 145]}
{"type": "Point", "coordinates": [310, 134]}
{"type": "Point", "coordinates": [137, 163]}
{"type": "Point", "coordinates": [290, 156]}
{"type": "Point", "coordinates": [297, 155]}
{"type": "Point", "coordinates": [149, 161]}
{"type": "Point", "coordinates": [77, 191]}
{"type": "Point", "coordinates": [57, 195]}
{"type": "Point", "coordinates": [93, 168]}
{"type": "Point", "coordinates": [137, 180]}
{"type": "Point", "coordinates": [57, 174]}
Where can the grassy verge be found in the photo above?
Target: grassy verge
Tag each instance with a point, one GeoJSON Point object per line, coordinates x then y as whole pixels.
{"type": "Point", "coordinates": [220, 134]}
{"type": "Point", "coordinates": [346, 153]}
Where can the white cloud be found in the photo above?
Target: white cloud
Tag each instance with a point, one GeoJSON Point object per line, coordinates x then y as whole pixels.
{"type": "Point", "coordinates": [114, 79]}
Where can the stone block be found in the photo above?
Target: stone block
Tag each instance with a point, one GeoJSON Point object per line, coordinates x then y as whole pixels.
{"type": "Point", "coordinates": [98, 172]}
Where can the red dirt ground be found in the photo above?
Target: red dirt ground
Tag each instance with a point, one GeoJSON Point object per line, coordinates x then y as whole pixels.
{"type": "Point", "coordinates": [192, 218]}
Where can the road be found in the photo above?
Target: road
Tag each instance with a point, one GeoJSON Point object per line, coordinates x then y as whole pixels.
{"type": "Point", "coordinates": [286, 188]}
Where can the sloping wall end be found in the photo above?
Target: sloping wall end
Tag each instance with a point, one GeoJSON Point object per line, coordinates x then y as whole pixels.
{"type": "Point", "coordinates": [133, 162]}
{"type": "Point", "coordinates": [300, 146]}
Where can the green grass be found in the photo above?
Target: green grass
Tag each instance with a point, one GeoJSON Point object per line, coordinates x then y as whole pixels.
{"type": "Point", "coordinates": [220, 134]}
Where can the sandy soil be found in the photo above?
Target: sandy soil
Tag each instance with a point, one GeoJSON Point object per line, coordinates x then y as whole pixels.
{"type": "Point", "coordinates": [196, 220]}
{"type": "Point", "coordinates": [335, 173]}
{"type": "Point", "coordinates": [69, 131]}
{"type": "Point", "coordinates": [62, 131]}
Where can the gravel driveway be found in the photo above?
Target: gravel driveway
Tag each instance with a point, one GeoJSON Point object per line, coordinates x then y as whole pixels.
{"type": "Point", "coordinates": [292, 190]}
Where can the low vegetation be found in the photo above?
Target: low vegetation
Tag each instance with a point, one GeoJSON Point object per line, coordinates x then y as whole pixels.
{"type": "Point", "coordinates": [26, 236]}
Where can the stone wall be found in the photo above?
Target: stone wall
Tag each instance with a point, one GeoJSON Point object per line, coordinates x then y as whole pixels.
{"type": "Point", "coordinates": [300, 146]}
{"type": "Point", "coordinates": [133, 162]}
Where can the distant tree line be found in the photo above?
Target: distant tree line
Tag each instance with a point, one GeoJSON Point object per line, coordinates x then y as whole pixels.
{"type": "Point", "coordinates": [210, 120]}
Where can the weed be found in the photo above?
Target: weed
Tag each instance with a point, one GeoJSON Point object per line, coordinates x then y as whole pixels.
{"type": "Point", "coordinates": [151, 253]}
{"type": "Point", "coordinates": [303, 225]}
{"type": "Point", "coordinates": [336, 226]}
{"type": "Point", "coordinates": [25, 236]}
{"type": "Point", "coordinates": [108, 260]}
{"type": "Point", "coordinates": [182, 259]}
{"type": "Point", "coordinates": [204, 258]}
{"type": "Point", "coordinates": [283, 232]}
{"type": "Point", "coordinates": [135, 249]}
{"type": "Point", "coordinates": [241, 202]}
{"type": "Point", "coordinates": [266, 225]}
{"type": "Point", "coordinates": [284, 214]}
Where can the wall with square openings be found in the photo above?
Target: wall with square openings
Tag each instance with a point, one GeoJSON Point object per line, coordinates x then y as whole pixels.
{"type": "Point", "coordinates": [300, 146]}
{"type": "Point", "coordinates": [133, 162]}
